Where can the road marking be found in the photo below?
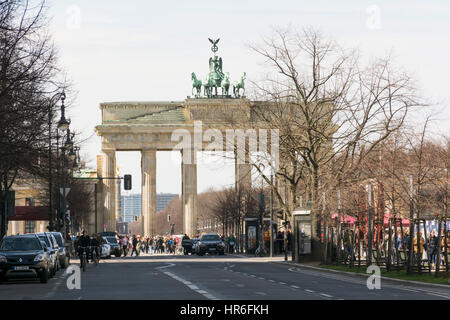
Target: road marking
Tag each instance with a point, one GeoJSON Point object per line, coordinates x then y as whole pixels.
{"type": "Point", "coordinates": [168, 266]}
{"type": "Point", "coordinates": [239, 285]}
{"type": "Point", "coordinates": [193, 287]}
{"type": "Point", "coordinates": [187, 283]}
{"type": "Point", "coordinates": [326, 295]}
{"type": "Point", "coordinates": [281, 282]}
{"type": "Point", "coordinates": [261, 293]}
{"type": "Point", "coordinates": [310, 291]}
{"type": "Point", "coordinates": [261, 278]}
{"type": "Point", "coordinates": [271, 280]}
{"type": "Point", "coordinates": [438, 295]}
{"type": "Point", "coordinates": [292, 286]}
{"type": "Point", "coordinates": [410, 290]}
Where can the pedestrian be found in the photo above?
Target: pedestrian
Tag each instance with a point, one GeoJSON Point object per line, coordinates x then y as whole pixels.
{"type": "Point", "coordinates": [147, 244]}
{"type": "Point", "coordinates": [134, 246]}
{"type": "Point", "coordinates": [432, 249]}
{"type": "Point", "coordinates": [125, 245]}
{"type": "Point", "coordinates": [231, 242]}
{"type": "Point", "coordinates": [169, 243]}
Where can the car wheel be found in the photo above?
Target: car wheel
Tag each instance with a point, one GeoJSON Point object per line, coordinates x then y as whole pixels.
{"type": "Point", "coordinates": [44, 276]}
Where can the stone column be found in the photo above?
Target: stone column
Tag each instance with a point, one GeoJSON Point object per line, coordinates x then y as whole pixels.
{"type": "Point", "coordinates": [109, 190]}
{"type": "Point", "coordinates": [189, 192]}
{"type": "Point", "coordinates": [148, 166]}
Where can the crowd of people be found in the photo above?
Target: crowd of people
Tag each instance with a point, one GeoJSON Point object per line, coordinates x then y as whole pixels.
{"type": "Point", "coordinates": [136, 244]}
{"type": "Point", "coordinates": [163, 244]}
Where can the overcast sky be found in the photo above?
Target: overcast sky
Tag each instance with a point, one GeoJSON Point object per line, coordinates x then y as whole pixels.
{"type": "Point", "coordinates": [146, 51]}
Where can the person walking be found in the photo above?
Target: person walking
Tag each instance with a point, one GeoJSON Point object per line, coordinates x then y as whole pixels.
{"type": "Point", "coordinates": [231, 242]}
{"type": "Point", "coordinates": [134, 247]}
{"type": "Point", "coordinates": [432, 249]}
{"type": "Point", "coordinates": [124, 242]}
{"type": "Point", "coordinates": [147, 244]}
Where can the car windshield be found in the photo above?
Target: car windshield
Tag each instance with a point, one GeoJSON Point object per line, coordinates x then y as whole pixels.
{"type": "Point", "coordinates": [20, 244]}
{"type": "Point", "coordinates": [210, 237]}
{"type": "Point", "coordinates": [59, 239]}
{"type": "Point", "coordinates": [44, 238]}
{"type": "Point", "coordinates": [111, 239]}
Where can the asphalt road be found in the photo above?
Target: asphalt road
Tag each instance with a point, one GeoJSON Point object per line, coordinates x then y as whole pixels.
{"type": "Point", "coordinates": [163, 277]}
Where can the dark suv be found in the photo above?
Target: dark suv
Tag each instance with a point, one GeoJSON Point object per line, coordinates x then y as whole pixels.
{"type": "Point", "coordinates": [210, 243]}
{"type": "Point", "coordinates": [24, 256]}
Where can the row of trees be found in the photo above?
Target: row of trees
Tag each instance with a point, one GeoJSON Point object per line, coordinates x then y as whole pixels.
{"type": "Point", "coordinates": [341, 122]}
{"type": "Point", "coordinates": [30, 87]}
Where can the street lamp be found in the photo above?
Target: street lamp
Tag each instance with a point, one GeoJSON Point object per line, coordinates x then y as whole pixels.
{"type": "Point", "coordinates": [68, 145]}
{"type": "Point", "coordinates": [63, 124]}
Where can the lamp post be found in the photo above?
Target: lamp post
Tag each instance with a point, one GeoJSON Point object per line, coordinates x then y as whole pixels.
{"type": "Point", "coordinates": [62, 121]}
{"type": "Point", "coordinates": [63, 126]}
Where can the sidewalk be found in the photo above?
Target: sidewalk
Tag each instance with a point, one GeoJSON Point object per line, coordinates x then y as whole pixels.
{"type": "Point", "coordinates": [317, 266]}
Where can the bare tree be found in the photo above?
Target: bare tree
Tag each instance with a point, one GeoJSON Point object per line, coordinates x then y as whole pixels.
{"type": "Point", "coordinates": [331, 110]}
{"type": "Point", "coordinates": [28, 72]}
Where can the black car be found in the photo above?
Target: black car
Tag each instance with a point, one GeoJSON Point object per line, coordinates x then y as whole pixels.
{"type": "Point", "coordinates": [116, 248]}
{"type": "Point", "coordinates": [24, 256]}
{"type": "Point", "coordinates": [63, 250]}
{"type": "Point", "coordinates": [210, 243]}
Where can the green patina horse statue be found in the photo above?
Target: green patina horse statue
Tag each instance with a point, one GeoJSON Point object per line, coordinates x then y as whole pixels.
{"type": "Point", "coordinates": [196, 84]}
{"type": "Point", "coordinates": [226, 84]}
{"type": "Point", "coordinates": [207, 87]}
{"type": "Point", "coordinates": [239, 85]}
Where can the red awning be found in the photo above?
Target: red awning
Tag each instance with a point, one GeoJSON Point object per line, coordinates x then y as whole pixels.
{"type": "Point", "coordinates": [29, 213]}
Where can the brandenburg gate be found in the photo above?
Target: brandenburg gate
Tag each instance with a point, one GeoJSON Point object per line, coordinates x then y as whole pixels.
{"type": "Point", "coordinates": [149, 127]}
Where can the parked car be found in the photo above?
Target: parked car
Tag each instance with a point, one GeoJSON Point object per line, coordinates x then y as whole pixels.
{"type": "Point", "coordinates": [53, 252]}
{"type": "Point", "coordinates": [105, 251]}
{"type": "Point", "coordinates": [210, 243]}
{"type": "Point", "coordinates": [63, 252]}
{"type": "Point", "coordinates": [24, 256]}
{"type": "Point", "coordinates": [116, 248]}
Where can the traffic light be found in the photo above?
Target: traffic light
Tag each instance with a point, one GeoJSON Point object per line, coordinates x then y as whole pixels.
{"type": "Point", "coordinates": [127, 182]}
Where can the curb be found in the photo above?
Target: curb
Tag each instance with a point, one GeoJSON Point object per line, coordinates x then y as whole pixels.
{"type": "Point", "coordinates": [364, 275]}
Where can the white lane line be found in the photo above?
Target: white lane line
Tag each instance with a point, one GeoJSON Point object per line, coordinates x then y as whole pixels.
{"type": "Point", "coordinates": [310, 291]}
{"type": "Point", "coordinates": [281, 282]}
{"type": "Point", "coordinates": [261, 293]}
{"type": "Point", "coordinates": [168, 266]}
{"type": "Point", "coordinates": [292, 286]}
{"type": "Point", "coordinates": [410, 290]}
{"type": "Point", "coordinates": [271, 280]}
{"type": "Point", "coordinates": [261, 278]}
{"type": "Point", "coordinates": [438, 295]}
{"type": "Point", "coordinates": [189, 284]}
{"type": "Point", "coordinates": [326, 295]}
{"type": "Point", "coordinates": [193, 287]}
{"type": "Point", "coordinates": [239, 285]}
